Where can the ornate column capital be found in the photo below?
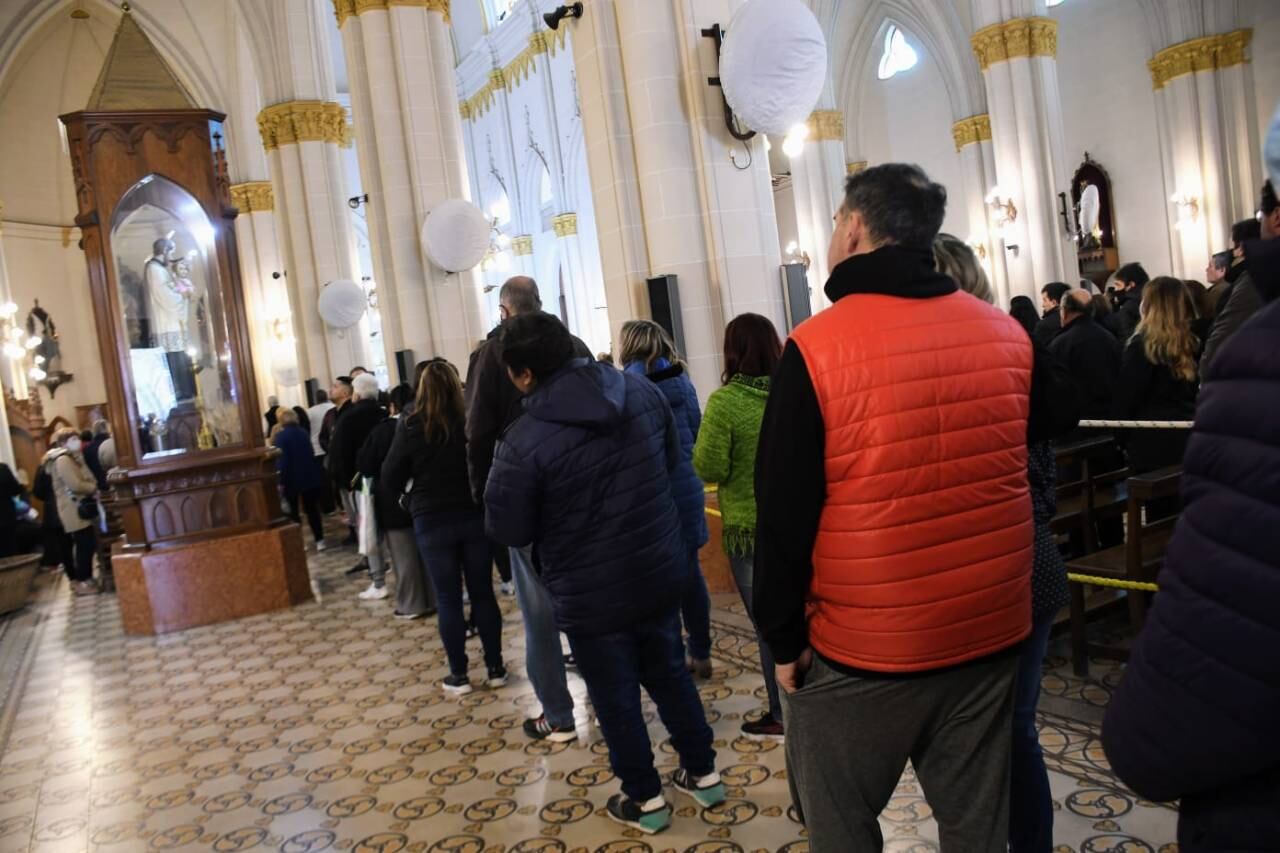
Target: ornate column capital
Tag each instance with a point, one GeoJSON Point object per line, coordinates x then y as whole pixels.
{"type": "Point", "coordinates": [855, 167]}
{"type": "Point", "coordinates": [343, 9]}
{"type": "Point", "coordinates": [1018, 38]}
{"type": "Point", "coordinates": [565, 225]}
{"type": "Point", "coordinates": [826, 126]}
{"type": "Point", "coordinates": [969, 130]}
{"type": "Point", "coordinates": [303, 121]}
{"type": "Point", "coordinates": [522, 245]}
{"type": "Point", "coordinates": [1202, 54]}
{"type": "Point", "coordinates": [253, 196]}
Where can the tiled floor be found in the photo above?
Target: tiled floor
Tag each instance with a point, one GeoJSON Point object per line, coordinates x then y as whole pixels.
{"type": "Point", "coordinates": [321, 728]}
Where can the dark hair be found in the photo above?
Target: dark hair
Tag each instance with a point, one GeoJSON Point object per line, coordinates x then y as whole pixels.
{"type": "Point", "coordinates": [1199, 295]}
{"type": "Point", "coordinates": [1101, 305]}
{"type": "Point", "coordinates": [401, 396]}
{"type": "Point", "coordinates": [537, 342]}
{"type": "Point", "coordinates": [344, 380]}
{"type": "Point", "coordinates": [86, 435]}
{"type": "Point", "coordinates": [1133, 274]}
{"type": "Point", "coordinates": [358, 367]}
{"type": "Point", "coordinates": [898, 203]}
{"type": "Point", "coordinates": [1222, 260]}
{"type": "Point", "coordinates": [1269, 200]}
{"type": "Point", "coordinates": [520, 294]}
{"type": "Point", "coordinates": [1246, 230]}
{"type": "Point", "coordinates": [751, 347]}
{"type": "Point", "coordinates": [1022, 309]}
{"type": "Point", "coordinates": [1055, 290]}
{"type": "Point", "coordinates": [1079, 302]}
{"type": "Point", "coordinates": [322, 396]}
{"type": "Point", "coordinates": [439, 406]}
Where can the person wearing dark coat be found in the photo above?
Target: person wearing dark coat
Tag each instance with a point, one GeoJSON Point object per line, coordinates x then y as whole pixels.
{"type": "Point", "coordinates": [1050, 300]}
{"type": "Point", "coordinates": [1130, 279]}
{"type": "Point", "coordinates": [1022, 309]}
{"type": "Point", "coordinates": [353, 424]}
{"type": "Point", "coordinates": [101, 432]}
{"type": "Point", "coordinates": [1194, 717]}
{"type": "Point", "coordinates": [414, 596]}
{"type": "Point", "coordinates": [18, 534]}
{"type": "Point", "coordinates": [1240, 298]}
{"type": "Point", "coordinates": [301, 478]}
{"type": "Point", "coordinates": [1090, 353]}
{"type": "Point", "coordinates": [272, 415]}
{"type": "Point", "coordinates": [585, 478]}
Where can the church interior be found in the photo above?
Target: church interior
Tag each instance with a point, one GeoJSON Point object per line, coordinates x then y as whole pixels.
{"type": "Point", "coordinates": [212, 209]}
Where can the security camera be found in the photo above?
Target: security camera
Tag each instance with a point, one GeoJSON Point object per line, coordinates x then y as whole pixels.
{"type": "Point", "coordinates": [356, 200]}
{"type": "Point", "coordinates": [553, 19]}
{"type": "Point", "coordinates": [278, 275]}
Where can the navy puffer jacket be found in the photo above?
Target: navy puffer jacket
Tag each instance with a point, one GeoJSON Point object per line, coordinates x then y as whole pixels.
{"type": "Point", "coordinates": [585, 476]}
{"type": "Point", "coordinates": [690, 494]}
{"type": "Point", "coordinates": [1194, 717]}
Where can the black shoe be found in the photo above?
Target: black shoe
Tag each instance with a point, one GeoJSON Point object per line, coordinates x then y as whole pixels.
{"type": "Point", "coordinates": [358, 568]}
{"type": "Point", "coordinates": [456, 685]}
{"type": "Point", "coordinates": [628, 812]}
{"type": "Point", "coordinates": [540, 729]}
{"type": "Point", "coordinates": [706, 791]}
{"type": "Point", "coordinates": [408, 616]}
{"type": "Point", "coordinates": [765, 728]}
{"type": "Point", "coordinates": [351, 539]}
{"type": "Point", "coordinates": [570, 662]}
{"type": "Point", "coordinates": [497, 677]}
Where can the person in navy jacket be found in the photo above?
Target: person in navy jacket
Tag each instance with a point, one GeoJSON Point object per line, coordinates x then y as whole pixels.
{"type": "Point", "coordinates": [584, 475]}
{"type": "Point", "coordinates": [301, 477]}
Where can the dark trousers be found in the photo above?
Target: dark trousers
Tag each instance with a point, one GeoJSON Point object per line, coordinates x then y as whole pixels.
{"type": "Point", "coordinates": [615, 666]}
{"type": "Point", "coordinates": [695, 607]}
{"type": "Point", "coordinates": [310, 500]}
{"type": "Point", "coordinates": [455, 551]}
{"type": "Point", "coordinates": [86, 543]}
{"type": "Point", "coordinates": [849, 739]}
{"type": "Point", "coordinates": [502, 558]}
{"type": "Point", "coordinates": [57, 545]}
{"type": "Point", "coordinates": [1030, 800]}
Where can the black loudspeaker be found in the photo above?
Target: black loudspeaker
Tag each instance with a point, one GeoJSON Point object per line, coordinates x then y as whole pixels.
{"type": "Point", "coordinates": [664, 308]}
{"type": "Point", "coordinates": [312, 386]}
{"type": "Point", "coordinates": [795, 294]}
{"type": "Point", "coordinates": [405, 365]}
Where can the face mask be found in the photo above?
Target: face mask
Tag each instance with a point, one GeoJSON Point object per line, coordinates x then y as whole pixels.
{"type": "Point", "coordinates": [74, 445]}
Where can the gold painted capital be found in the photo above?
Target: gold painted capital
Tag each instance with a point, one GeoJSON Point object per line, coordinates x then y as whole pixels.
{"type": "Point", "coordinates": [514, 73]}
{"type": "Point", "coordinates": [1019, 38]}
{"type": "Point", "coordinates": [968, 131]}
{"type": "Point", "coordinates": [303, 121]}
{"type": "Point", "coordinates": [565, 225]}
{"type": "Point", "coordinates": [855, 167]}
{"type": "Point", "coordinates": [522, 245]}
{"type": "Point", "coordinates": [344, 9]}
{"type": "Point", "coordinates": [253, 196]}
{"type": "Point", "coordinates": [1202, 54]}
{"type": "Point", "coordinates": [826, 126]}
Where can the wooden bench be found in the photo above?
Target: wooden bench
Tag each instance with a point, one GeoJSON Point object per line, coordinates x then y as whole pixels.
{"type": "Point", "coordinates": [1138, 560]}
{"type": "Point", "coordinates": [1093, 495]}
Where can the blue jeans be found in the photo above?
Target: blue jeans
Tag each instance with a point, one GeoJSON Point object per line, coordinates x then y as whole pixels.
{"type": "Point", "coordinates": [695, 606]}
{"type": "Point", "coordinates": [1030, 802]}
{"type": "Point", "coordinates": [743, 571]}
{"type": "Point", "coordinates": [454, 550]}
{"type": "Point", "coordinates": [615, 666]}
{"type": "Point", "coordinates": [544, 661]}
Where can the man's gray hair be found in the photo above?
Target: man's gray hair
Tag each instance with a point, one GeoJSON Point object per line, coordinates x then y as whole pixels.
{"type": "Point", "coordinates": [898, 203]}
{"type": "Point", "coordinates": [365, 386]}
{"type": "Point", "coordinates": [520, 295]}
{"type": "Point", "coordinates": [101, 427]}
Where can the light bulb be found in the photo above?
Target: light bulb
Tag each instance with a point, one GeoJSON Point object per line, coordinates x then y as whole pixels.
{"type": "Point", "coordinates": [793, 146]}
{"type": "Point", "coordinates": [37, 374]}
{"type": "Point", "coordinates": [38, 359]}
{"type": "Point", "coordinates": [13, 351]}
{"type": "Point", "coordinates": [8, 309]}
{"type": "Point", "coordinates": [34, 341]}
{"type": "Point", "coordinates": [792, 246]}
{"type": "Point", "coordinates": [768, 146]}
{"type": "Point", "coordinates": [502, 262]}
{"type": "Point", "coordinates": [192, 352]}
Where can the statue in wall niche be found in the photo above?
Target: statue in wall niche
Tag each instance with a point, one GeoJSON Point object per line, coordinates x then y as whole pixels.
{"type": "Point", "coordinates": [169, 296]}
{"type": "Point", "coordinates": [1089, 212]}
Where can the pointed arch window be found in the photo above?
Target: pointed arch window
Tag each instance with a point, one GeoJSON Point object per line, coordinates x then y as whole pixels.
{"type": "Point", "coordinates": [898, 56]}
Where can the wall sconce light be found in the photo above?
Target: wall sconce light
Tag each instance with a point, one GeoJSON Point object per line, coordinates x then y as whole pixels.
{"type": "Point", "coordinates": [1188, 207]}
{"type": "Point", "coordinates": [716, 34]}
{"type": "Point", "coordinates": [795, 255]}
{"type": "Point", "coordinates": [553, 19]}
{"type": "Point", "coordinates": [356, 200]}
{"type": "Point", "coordinates": [1003, 211]}
{"type": "Point", "coordinates": [978, 245]}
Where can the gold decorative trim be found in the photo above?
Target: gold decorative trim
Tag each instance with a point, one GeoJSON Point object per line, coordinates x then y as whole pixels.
{"type": "Point", "coordinates": [522, 245]}
{"type": "Point", "coordinates": [343, 9]}
{"type": "Point", "coordinates": [565, 225]}
{"type": "Point", "coordinates": [253, 196]}
{"type": "Point", "coordinates": [973, 129]}
{"type": "Point", "coordinates": [514, 72]}
{"type": "Point", "coordinates": [1203, 54]}
{"type": "Point", "coordinates": [66, 236]}
{"type": "Point", "coordinates": [826, 126]}
{"type": "Point", "coordinates": [303, 121]}
{"type": "Point", "coordinates": [855, 167]}
{"type": "Point", "coordinates": [1021, 37]}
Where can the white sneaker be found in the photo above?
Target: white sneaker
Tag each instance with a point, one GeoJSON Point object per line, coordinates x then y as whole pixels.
{"type": "Point", "coordinates": [322, 545]}
{"type": "Point", "coordinates": [374, 593]}
{"type": "Point", "coordinates": [507, 588]}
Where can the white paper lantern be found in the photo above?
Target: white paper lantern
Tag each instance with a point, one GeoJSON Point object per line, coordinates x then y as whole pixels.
{"type": "Point", "coordinates": [342, 303]}
{"type": "Point", "coordinates": [455, 235]}
{"type": "Point", "coordinates": [773, 64]}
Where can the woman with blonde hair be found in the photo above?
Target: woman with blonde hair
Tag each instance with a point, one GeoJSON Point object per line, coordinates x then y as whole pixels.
{"type": "Point", "coordinates": [646, 349]}
{"type": "Point", "coordinates": [1158, 379]}
{"type": "Point", "coordinates": [955, 258]}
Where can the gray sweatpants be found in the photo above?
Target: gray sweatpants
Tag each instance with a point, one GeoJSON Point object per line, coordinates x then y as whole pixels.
{"type": "Point", "coordinates": [413, 588]}
{"type": "Point", "coordinates": [849, 739]}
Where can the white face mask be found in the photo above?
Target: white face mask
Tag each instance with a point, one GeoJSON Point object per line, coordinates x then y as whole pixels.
{"type": "Point", "coordinates": [74, 445]}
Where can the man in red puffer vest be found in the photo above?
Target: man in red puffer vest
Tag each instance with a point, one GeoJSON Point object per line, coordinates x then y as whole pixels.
{"type": "Point", "coordinates": [894, 542]}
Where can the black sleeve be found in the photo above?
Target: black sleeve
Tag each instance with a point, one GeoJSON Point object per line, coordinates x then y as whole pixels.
{"type": "Point", "coordinates": [397, 468]}
{"type": "Point", "coordinates": [484, 417]}
{"type": "Point", "coordinates": [790, 490]}
{"type": "Point", "coordinates": [1055, 411]}
{"type": "Point", "coordinates": [1134, 380]}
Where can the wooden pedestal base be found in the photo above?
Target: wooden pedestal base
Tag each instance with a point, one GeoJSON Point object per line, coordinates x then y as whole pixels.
{"type": "Point", "coordinates": [210, 581]}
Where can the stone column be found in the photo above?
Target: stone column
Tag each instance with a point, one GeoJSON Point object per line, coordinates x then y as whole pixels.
{"type": "Point", "coordinates": [12, 378]}
{"type": "Point", "coordinates": [409, 137]}
{"type": "Point", "coordinates": [817, 180]}
{"type": "Point", "coordinates": [1018, 57]}
{"type": "Point", "coordinates": [972, 136]}
{"type": "Point", "coordinates": [667, 197]}
{"type": "Point", "coordinates": [1207, 121]}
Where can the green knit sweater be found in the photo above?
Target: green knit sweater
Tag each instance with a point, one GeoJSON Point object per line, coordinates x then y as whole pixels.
{"type": "Point", "coordinates": [726, 455]}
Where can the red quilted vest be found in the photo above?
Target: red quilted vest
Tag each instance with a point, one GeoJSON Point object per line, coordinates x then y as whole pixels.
{"type": "Point", "coordinates": [923, 554]}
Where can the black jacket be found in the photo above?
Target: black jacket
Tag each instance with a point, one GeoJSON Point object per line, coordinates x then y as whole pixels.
{"type": "Point", "coordinates": [1048, 328]}
{"type": "Point", "coordinates": [349, 432]}
{"type": "Point", "coordinates": [373, 453]}
{"type": "Point", "coordinates": [1239, 302]}
{"type": "Point", "coordinates": [1194, 717]}
{"type": "Point", "coordinates": [1129, 313]}
{"type": "Point", "coordinates": [1150, 392]}
{"type": "Point", "coordinates": [95, 465]}
{"type": "Point", "coordinates": [492, 404]}
{"type": "Point", "coordinates": [438, 468]}
{"type": "Point", "coordinates": [1091, 355]}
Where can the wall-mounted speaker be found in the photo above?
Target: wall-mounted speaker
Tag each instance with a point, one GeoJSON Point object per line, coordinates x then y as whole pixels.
{"type": "Point", "coordinates": [664, 308]}
{"type": "Point", "coordinates": [795, 294]}
{"type": "Point", "coordinates": [405, 365]}
{"type": "Point", "coordinates": [312, 386]}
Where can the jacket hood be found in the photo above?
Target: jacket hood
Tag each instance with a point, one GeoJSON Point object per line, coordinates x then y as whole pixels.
{"type": "Point", "coordinates": [583, 393]}
{"type": "Point", "coordinates": [663, 374]}
{"type": "Point", "coordinates": [892, 271]}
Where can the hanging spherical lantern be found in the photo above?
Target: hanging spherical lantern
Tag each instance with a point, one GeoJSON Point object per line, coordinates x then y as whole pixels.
{"type": "Point", "coordinates": [455, 235]}
{"type": "Point", "coordinates": [342, 303]}
{"type": "Point", "coordinates": [773, 64]}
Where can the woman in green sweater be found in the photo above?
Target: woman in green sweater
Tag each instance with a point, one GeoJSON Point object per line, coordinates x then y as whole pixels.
{"type": "Point", "coordinates": [725, 454]}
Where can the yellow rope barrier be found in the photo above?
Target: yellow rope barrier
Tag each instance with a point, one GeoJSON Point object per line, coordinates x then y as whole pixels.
{"type": "Point", "coordinates": [714, 512]}
{"type": "Point", "coordinates": [1094, 580]}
